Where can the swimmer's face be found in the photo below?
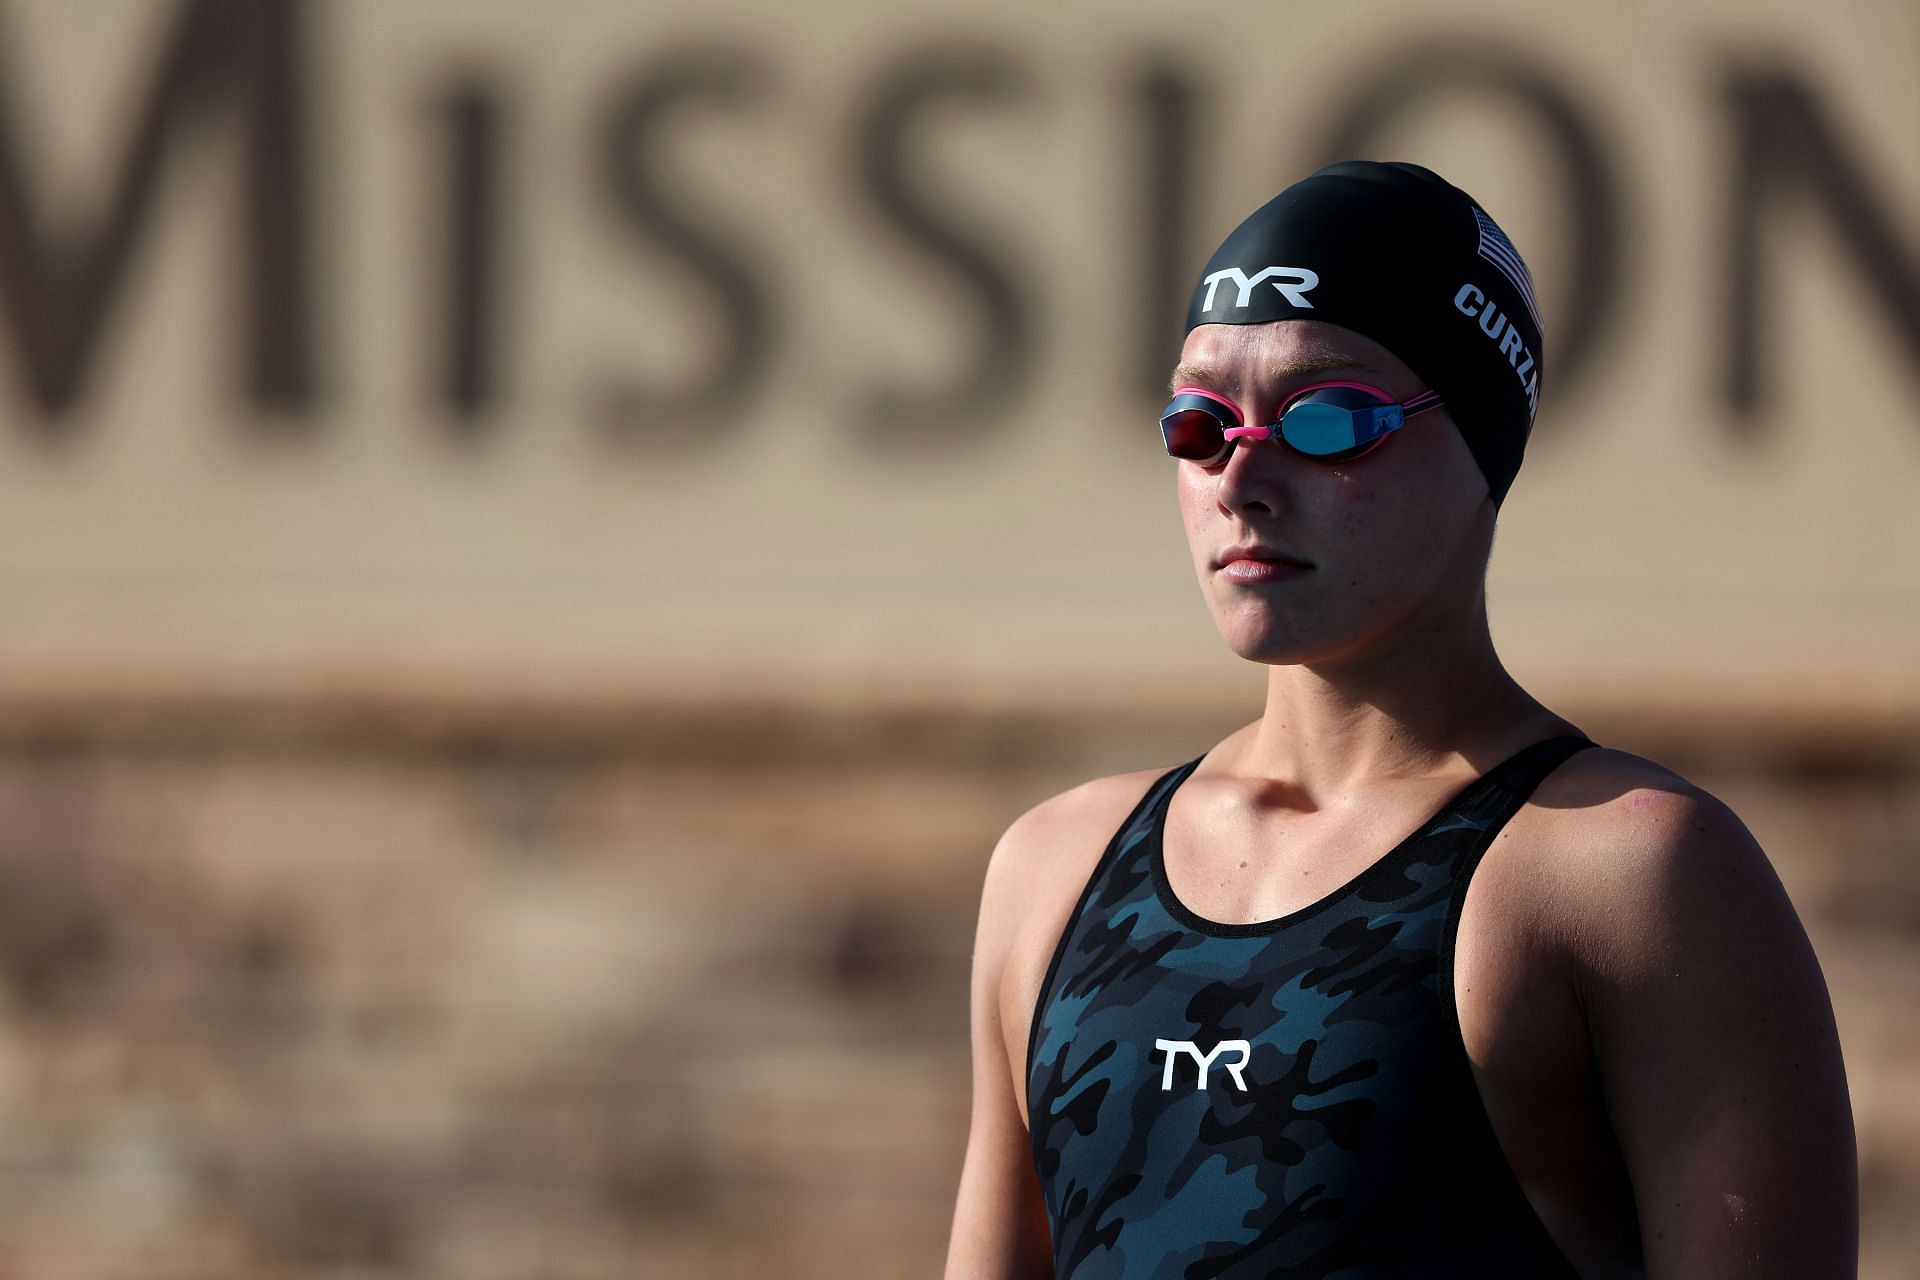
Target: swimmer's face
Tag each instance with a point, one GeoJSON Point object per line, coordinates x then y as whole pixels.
{"type": "Point", "coordinates": [1395, 537]}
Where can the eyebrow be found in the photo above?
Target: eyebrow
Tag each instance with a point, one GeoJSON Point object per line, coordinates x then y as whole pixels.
{"type": "Point", "coordinates": [1200, 375]}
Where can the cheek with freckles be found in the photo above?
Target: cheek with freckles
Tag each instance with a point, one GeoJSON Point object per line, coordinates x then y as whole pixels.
{"type": "Point", "coordinates": [1373, 543]}
{"type": "Point", "coordinates": [1197, 510]}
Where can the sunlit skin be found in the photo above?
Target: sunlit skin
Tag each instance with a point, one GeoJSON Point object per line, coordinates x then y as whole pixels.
{"type": "Point", "coordinates": [1384, 645]}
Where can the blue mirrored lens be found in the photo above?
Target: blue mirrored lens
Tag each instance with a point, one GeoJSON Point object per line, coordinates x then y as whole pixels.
{"type": "Point", "coordinates": [1321, 428]}
{"type": "Point", "coordinates": [1336, 420]}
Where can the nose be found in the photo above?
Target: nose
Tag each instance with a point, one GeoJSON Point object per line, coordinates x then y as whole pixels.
{"type": "Point", "coordinates": [1249, 482]}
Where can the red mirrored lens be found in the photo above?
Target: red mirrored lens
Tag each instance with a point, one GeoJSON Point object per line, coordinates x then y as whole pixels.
{"type": "Point", "coordinates": [1193, 434]}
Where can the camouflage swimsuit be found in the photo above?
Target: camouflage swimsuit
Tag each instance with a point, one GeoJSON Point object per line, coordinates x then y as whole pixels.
{"type": "Point", "coordinates": [1286, 1098]}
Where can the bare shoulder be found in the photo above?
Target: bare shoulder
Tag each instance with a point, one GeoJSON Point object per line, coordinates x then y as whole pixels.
{"type": "Point", "coordinates": [1613, 803]}
{"type": "Point", "coordinates": [1052, 834]}
{"type": "Point", "coordinates": [1593, 783]}
{"type": "Point", "coordinates": [1627, 851]}
{"type": "Point", "coordinates": [1054, 845]}
{"type": "Point", "coordinates": [1035, 876]}
{"type": "Point", "coordinates": [1707, 1018]}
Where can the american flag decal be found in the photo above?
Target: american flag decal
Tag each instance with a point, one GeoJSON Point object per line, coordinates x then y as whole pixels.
{"type": "Point", "coordinates": [1497, 249]}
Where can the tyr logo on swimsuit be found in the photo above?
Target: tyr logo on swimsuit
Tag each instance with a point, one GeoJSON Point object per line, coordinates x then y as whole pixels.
{"type": "Point", "coordinates": [1174, 1048]}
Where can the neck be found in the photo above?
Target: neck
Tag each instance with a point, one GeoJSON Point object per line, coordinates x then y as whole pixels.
{"type": "Point", "coordinates": [1418, 702]}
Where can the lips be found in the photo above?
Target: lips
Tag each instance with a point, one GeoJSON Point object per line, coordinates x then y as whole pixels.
{"type": "Point", "coordinates": [1254, 551]}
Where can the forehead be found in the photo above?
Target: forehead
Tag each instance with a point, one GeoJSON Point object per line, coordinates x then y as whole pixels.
{"type": "Point", "coordinates": [1279, 350]}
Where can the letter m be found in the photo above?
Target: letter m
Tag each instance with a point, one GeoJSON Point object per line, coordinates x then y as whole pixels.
{"type": "Point", "coordinates": [59, 280]}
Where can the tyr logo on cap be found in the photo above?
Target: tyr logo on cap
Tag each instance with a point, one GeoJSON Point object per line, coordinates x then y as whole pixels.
{"type": "Point", "coordinates": [1293, 285]}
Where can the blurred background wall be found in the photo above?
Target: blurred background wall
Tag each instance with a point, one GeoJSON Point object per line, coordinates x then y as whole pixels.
{"type": "Point", "coordinates": [543, 544]}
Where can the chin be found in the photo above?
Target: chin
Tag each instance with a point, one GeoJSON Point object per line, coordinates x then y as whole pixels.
{"type": "Point", "coordinates": [1272, 646]}
{"type": "Point", "coordinates": [1277, 639]}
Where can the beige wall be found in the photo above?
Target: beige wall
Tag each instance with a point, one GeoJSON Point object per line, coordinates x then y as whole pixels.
{"type": "Point", "coordinates": [358, 530]}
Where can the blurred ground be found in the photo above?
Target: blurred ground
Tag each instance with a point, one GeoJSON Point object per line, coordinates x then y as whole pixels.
{"type": "Point", "coordinates": [661, 995]}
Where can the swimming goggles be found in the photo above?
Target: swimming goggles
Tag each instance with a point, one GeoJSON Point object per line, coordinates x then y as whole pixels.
{"type": "Point", "coordinates": [1329, 421]}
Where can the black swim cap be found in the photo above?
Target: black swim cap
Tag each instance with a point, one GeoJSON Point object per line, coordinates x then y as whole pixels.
{"type": "Point", "coordinates": [1397, 253]}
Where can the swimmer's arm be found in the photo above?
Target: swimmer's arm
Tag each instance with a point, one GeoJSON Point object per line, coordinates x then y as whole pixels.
{"type": "Point", "coordinates": [1714, 1040]}
{"type": "Point", "coordinates": [999, 1221]}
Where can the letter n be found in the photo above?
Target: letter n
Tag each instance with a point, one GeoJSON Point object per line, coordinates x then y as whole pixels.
{"type": "Point", "coordinates": [1785, 148]}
